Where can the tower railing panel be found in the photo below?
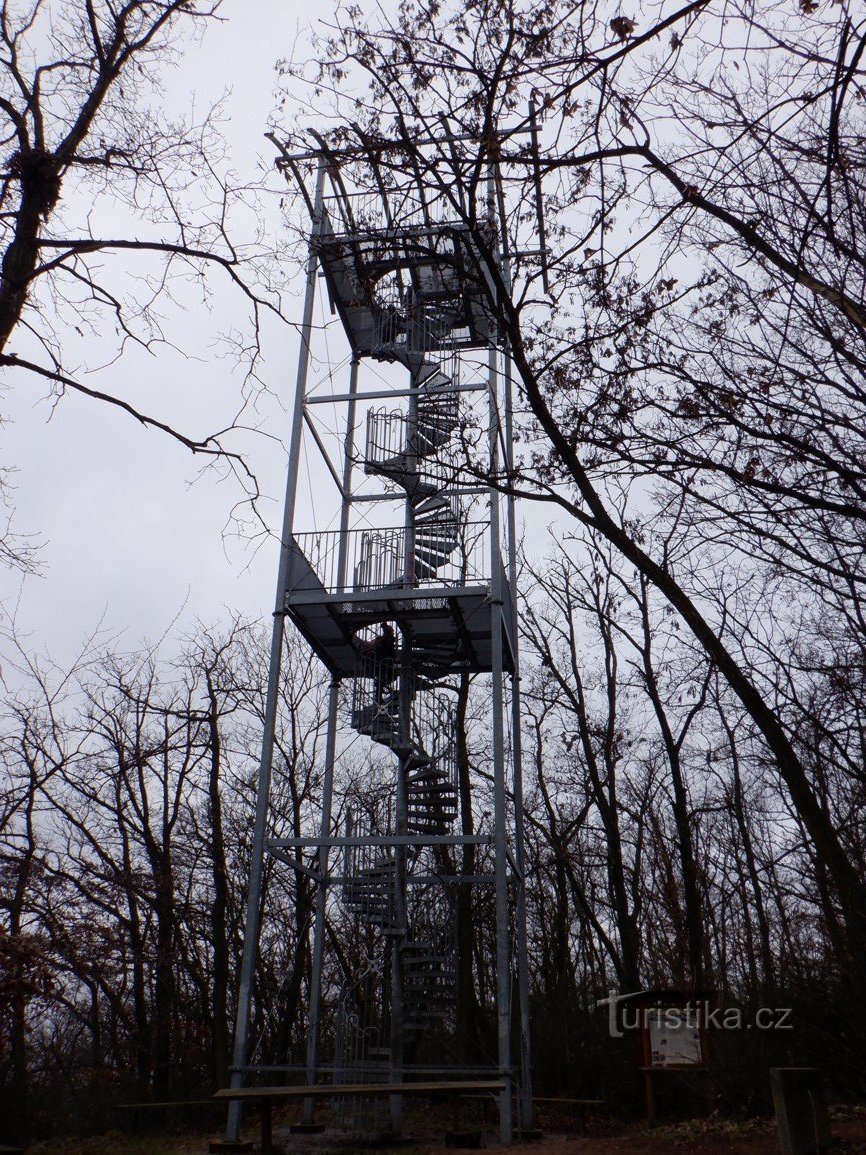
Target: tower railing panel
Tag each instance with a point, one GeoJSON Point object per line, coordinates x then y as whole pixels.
{"type": "Point", "coordinates": [376, 558]}
{"type": "Point", "coordinates": [360, 213]}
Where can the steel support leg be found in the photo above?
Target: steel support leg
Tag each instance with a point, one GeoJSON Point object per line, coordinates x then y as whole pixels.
{"type": "Point", "coordinates": [263, 789]}
{"type": "Point", "coordinates": [321, 898]}
{"type": "Point", "coordinates": [500, 800]}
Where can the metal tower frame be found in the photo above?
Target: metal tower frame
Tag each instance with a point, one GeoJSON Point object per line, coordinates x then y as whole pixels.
{"type": "Point", "coordinates": [396, 612]}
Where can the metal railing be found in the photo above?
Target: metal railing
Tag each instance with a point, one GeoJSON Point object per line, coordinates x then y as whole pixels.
{"type": "Point", "coordinates": [430, 957]}
{"type": "Point", "coordinates": [380, 559]}
{"type": "Point", "coordinates": [375, 559]}
{"type": "Point", "coordinates": [396, 448]}
{"type": "Point", "coordinates": [428, 327]}
{"type": "Point", "coordinates": [364, 212]}
{"type": "Point", "coordinates": [434, 721]}
{"type": "Point", "coordinates": [385, 446]}
{"type": "Point", "coordinates": [375, 708]}
{"type": "Point", "coordinates": [368, 885]}
{"type": "Point", "coordinates": [359, 1034]}
{"type": "Point", "coordinates": [388, 432]}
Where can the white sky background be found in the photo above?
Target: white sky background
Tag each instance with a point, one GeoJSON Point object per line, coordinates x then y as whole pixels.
{"type": "Point", "coordinates": [126, 539]}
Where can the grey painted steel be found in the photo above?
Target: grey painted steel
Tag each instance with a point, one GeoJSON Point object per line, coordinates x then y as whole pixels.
{"type": "Point", "coordinates": [330, 755]}
{"type": "Point", "coordinates": [521, 948]}
{"type": "Point", "coordinates": [348, 465]}
{"type": "Point", "coordinates": [253, 913]}
{"type": "Point", "coordinates": [296, 864]}
{"type": "Point", "coordinates": [415, 1068]}
{"type": "Point", "coordinates": [320, 618]}
{"type": "Point", "coordinates": [314, 433]}
{"type": "Point", "coordinates": [398, 1006]}
{"type": "Point", "coordinates": [411, 880]}
{"type": "Point", "coordinates": [392, 145]}
{"type": "Point", "coordinates": [389, 394]}
{"type": "Point", "coordinates": [500, 801]}
{"type": "Point", "coordinates": [321, 896]}
{"type": "Point", "coordinates": [457, 491]}
{"type": "Point", "coordinates": [477, 607]}
{"type": "Point", "coordinates": [386, 840]}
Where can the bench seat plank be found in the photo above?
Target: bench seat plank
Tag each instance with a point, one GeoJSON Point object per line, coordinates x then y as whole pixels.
{"type": "Point", "coordinates": [585, 1102]}
{"type": "Point", "coordinates": [335, 1090]}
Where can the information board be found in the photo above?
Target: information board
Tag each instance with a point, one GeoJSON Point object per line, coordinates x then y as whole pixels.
{"type": "Point", "coordinates": [674, 1036]}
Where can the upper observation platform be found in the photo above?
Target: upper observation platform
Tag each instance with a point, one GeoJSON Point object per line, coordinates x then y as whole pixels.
{"type": "Point", "coordinates": [414, 286]}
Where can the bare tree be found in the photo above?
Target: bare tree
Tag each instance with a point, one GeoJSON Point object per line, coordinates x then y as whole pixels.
{"type": "Point", "coordinates": [35, 749]}
{"type": "Point", "coordinates": [589, 708]}
{"type": "Point", "coordinates": [579, 349]}
{"type": "Point", "coordinates": [128, 787]}
{"type": "Point", "coordinates": [115, 209]}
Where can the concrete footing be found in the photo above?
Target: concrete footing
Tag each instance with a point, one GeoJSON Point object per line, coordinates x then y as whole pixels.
{"type": "Point", "coordinates": [800, 1104]}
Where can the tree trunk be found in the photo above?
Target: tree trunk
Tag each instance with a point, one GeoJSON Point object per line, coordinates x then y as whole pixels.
{"type": "Point", "coordinates": [220, 1041]}
{"type": "Point", "coordinates": [467, 1002]}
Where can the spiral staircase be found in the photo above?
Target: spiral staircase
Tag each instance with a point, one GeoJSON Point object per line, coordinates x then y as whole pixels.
{"type": "Point", "coordinates": [437, 551]}
{"type": "Point", "coordinates": [416, 289]}
{"type": "Point", "coordinates": [423, 581]}
{"type": "Point", "coordinates": [426, 757]}
{"type": "Point", "coordinates": [410, 450]}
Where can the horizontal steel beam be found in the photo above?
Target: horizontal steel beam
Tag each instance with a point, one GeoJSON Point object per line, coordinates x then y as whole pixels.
{"type": "Point", "coordinates": [392, 145]}
{"type": "Point", "coordinates": [411, 880]}
{"type": "Point", "coordinates": [416, 1068]}
{"type": "Point", "coordinates": [384, 840]}
{"type": "Point", "coordinates": [301, 597]}
{"type": "Point", "coordinates": [462, 491]}
{"type": "Point", "coordinates": [396, 394]}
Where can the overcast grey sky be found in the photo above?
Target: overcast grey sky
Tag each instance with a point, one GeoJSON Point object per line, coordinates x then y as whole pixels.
{"type": "Point", "coordinates": [126, 538]}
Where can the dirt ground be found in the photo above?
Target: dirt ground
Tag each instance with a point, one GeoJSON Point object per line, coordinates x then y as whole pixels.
{"type": "Point", "coordinates": [710, 1137]}
{"type": "Point", "coordinates": [755, 1137]}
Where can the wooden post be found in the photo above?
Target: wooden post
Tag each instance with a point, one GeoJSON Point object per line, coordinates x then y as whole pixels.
{"type": "Point", "coordinates": [800, 1105]}
{"type": "Point", "coordinates": [267, 1128]}
{"type": "Point", "coordinates": [649, 1096]}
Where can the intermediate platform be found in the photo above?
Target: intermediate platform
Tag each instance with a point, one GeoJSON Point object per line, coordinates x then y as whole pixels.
{"type": "Point", "coordinates": [450, 625]}
{"type": "Point", "coordinates": [405, 289]}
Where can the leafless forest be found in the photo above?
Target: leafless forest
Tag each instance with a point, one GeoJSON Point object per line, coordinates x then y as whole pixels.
{"type": "Point", "coordinates": [690, 363]}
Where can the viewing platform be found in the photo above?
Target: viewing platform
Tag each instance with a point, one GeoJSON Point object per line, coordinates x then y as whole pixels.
{"type": "Point", "coordinates": [448, 615]}
{"type": "Point", "coordinates": [403, 290]}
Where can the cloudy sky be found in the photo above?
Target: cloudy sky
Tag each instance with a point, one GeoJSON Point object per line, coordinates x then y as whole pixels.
{"type": "Point", "coordinates": [131, 535]}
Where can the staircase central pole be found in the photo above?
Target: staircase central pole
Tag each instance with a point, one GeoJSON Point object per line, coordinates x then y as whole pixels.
{"type": "Point", "coordinates": [398, 1007]}
{"type": "Point", "coordinates": [401, 820]}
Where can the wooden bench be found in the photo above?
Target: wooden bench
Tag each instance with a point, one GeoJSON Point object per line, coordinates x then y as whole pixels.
{"type": "Point", "coordinates": [169, 1105]}
{"type": "Point", "coordinates": [267, 1096]}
